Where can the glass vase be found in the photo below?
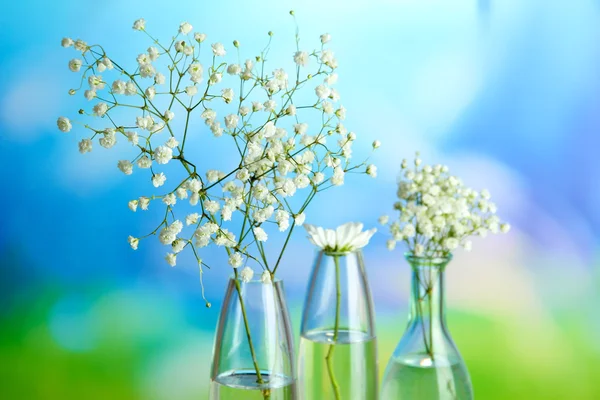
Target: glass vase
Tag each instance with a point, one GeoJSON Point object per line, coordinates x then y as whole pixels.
{"type": "Point", "coordinates": [253, 355]}
{"type": "Point", "coordinates": [338, 348]}
{"type": "Point", "coordinates": [426, 364]}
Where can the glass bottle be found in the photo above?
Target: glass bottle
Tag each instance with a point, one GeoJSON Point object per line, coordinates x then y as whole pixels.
{"type": "Point", "coordinates": [253, 355]}
{"type": "Point", "coordinates": [338, 347]}
{"type": "Point", "coordinates": [426, 364]}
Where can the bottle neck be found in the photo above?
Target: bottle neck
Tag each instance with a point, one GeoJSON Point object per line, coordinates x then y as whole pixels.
{"type": "Point", "coordinates": [427, 308]}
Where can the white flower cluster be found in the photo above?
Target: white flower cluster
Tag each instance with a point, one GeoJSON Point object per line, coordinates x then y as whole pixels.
{"type": "Point", "coordinates": [438, 213]}
{"type": "Point", "coordinates": [280, 155]}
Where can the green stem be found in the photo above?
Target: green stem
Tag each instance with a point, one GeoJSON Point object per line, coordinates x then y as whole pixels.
{"type": "Point", "coordinates": [420, 299]}
{"type": "Point", "coordinates": [329, 356]}
{"type": "Point", "coordinates": [429, 292]}
{"type": "Point", "coordinates": [259, 379]}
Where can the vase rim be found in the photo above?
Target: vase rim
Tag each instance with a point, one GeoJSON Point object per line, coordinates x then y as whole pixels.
{"type": "Point", "coordinates": [255, 280]}
{"type": "Point", "coordinates": [339, 253]}
{"type": "Point", "coordinates": [427, 261]}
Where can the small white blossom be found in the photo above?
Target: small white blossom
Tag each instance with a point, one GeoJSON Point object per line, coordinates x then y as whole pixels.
{"type": "Point", "coordinates": [234, 69]}
{"type": "Point", "coordinates": [231, 121]}
{"type": "Point", "coordinates": [265, 277]}
{"type": "Point", "coordinates": [64, 124]}
{"type": "Point", "coordinates": [163, 154]}
{"type": "Point", "coordinates": [171, 259]}
{"type": "Point", "coordinates": [169, 199]}
{"type": "Point", "coordinates": [372, 170]}
{"type": "Point", "coordinates": [159, 79]}
{"type": "Point", "coordinates": [299, 219]}
{"type": "Point", "coordinates": [140, 24]}
{"type": "Point", "coordinates": [80, 45]}
{"type": "Point", "coordinates": [301, 58]}
{"type": "Point", "coordinates": [133, 205]}
{"type": "Point", "coordinates": [100, 109]}
{"type": "Point", "coordinates": [185, 28]}
{"type": "Point", "coordinates": [125, 166]}
{"type": "Point", "coordinates": [75, 65]}
{"type": "Point", "coordinates": [322, 91]}
{"type": "Point", "coordinates": [153, 53]}
{"type": "Point", "coordinates": [246, 274]}
{"type": "Point", "coordinates": [172, 142]}
{"type": "Point", "coordinates": [260, 234]}
{"type": "Point", "coordinates": [235, 260]}
{"type": "Point", "coordinates": [218, 50]}
{"type": "Point", "coordinates": [325, 38]}
{"type": "Point", "coordinates": [227, 95]}
{"type": "Point", "coordinates": [66, 42]}
{"type": "Point", "coordinates": [192, 219]}
{"type": "Point", "coordinates": [191, 90]}
{"type": "Point", "coordinates": [158, 179]}
{"type": "Point", "coordinates": [144, 203]}
{"type": "Point", "coordinates": [150, 92]}
{"type": "Point", "coordinates": [133, 242]}
{"type": "Point", "coordinates": [199, 37]}
{"type": "Point", "coordinates": [85, 146]}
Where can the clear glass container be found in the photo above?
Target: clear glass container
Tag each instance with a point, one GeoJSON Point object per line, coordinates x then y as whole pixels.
{"type": "Point", "coordinates": [338, 347]}
{"type": "Point", "coordinates": [253, 355]}
{"type": "Point", "coordinates": [426, 364]}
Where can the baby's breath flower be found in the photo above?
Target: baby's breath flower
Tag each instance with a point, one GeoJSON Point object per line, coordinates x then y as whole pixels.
{"type": "Point", "coordinates": [125, 166]}
{"type": "Point", "coordinates": [235, 260]}
{"type": "Point", "coordinates": [185, 28]}
{"type": "Point", "coordinates": [75, 65]}
{"type": "Point", "coordinates": [265, 277]}
{"type": "Point", "coordinates": [139, 24]}
{"type": "Point", "coordinates": [159, 179]}
{"type": "Point", "coordinates": [301, 58]}
{"type": "Point", "coordinates": [438, 213]}
{"type": "Point", "coordinates": [64, 124]}
{"type": "Point", "coordinates": [171, 259]}
{"type": "Point", "coordinates": [66, 42]}
{"type": "Point", "coordinates": [100, 109]}
{"type": "Point", "coordinates": [133, 205]}
{"type": "Point", "coordinates": [133, 242]}
{"type": "Point", "coordinates": [372, 170]}
{"type": "Point", "coordinates": [218, 49]}
{"type": "Point", "coordinates": [260, 234]}
{"type": "Point", "coordinates": [279, 157]}
{"type": "Point", "coordinates": [163, 154]}
{"type": "Point", "coordinates": [246, 274]}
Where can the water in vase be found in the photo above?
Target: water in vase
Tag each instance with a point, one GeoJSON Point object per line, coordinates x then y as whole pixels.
{"type": "Point", "coordinates": [418, 377]}
{"type": "Point", "coordinates": [350, 372]}
{"type": "Point", "coordinates": [242, 385]}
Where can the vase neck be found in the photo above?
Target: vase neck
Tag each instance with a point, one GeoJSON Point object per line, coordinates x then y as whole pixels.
{"type": "Point", "coordinates": [427, 308]}
{"type": "Point", "coordinates": [338, 299]}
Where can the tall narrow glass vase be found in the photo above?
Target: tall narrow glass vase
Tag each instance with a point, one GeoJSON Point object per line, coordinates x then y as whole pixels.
{"type": "Point", "coordinates": [338, 348]}
{"type": "Point", "coordinates": [426, 365]}
{"type": "Point", "coordinates": [253, 355]}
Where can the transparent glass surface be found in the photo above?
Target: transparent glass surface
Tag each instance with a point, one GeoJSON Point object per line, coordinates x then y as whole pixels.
{"type": "Point", "coordinates": [338, 347]}
{"type": "Point", "coordinates": [253, 355]}
{"type": "Point", "coordinates": [426, 364]}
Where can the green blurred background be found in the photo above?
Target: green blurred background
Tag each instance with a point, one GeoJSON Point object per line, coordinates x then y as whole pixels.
{"type": "Point", "coordinates": [507, 93]}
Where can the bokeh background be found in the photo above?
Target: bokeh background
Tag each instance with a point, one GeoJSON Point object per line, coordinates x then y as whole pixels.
{"type": "Point", "coordinates": [507, 93]}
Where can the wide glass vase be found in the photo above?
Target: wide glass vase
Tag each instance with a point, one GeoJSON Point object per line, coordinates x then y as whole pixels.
{"type": "Point", "coordinates": [253, 355]}
{"type": "Point", "coordinates": [426, 365]}
{"type": "Point", "coordinates": [338, 347]}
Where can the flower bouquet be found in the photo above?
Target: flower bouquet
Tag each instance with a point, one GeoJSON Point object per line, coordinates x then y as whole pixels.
{"type": "Point", "coordinates": [275, 165]}
{"type": "Point", "coordinates": [437, 215]}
